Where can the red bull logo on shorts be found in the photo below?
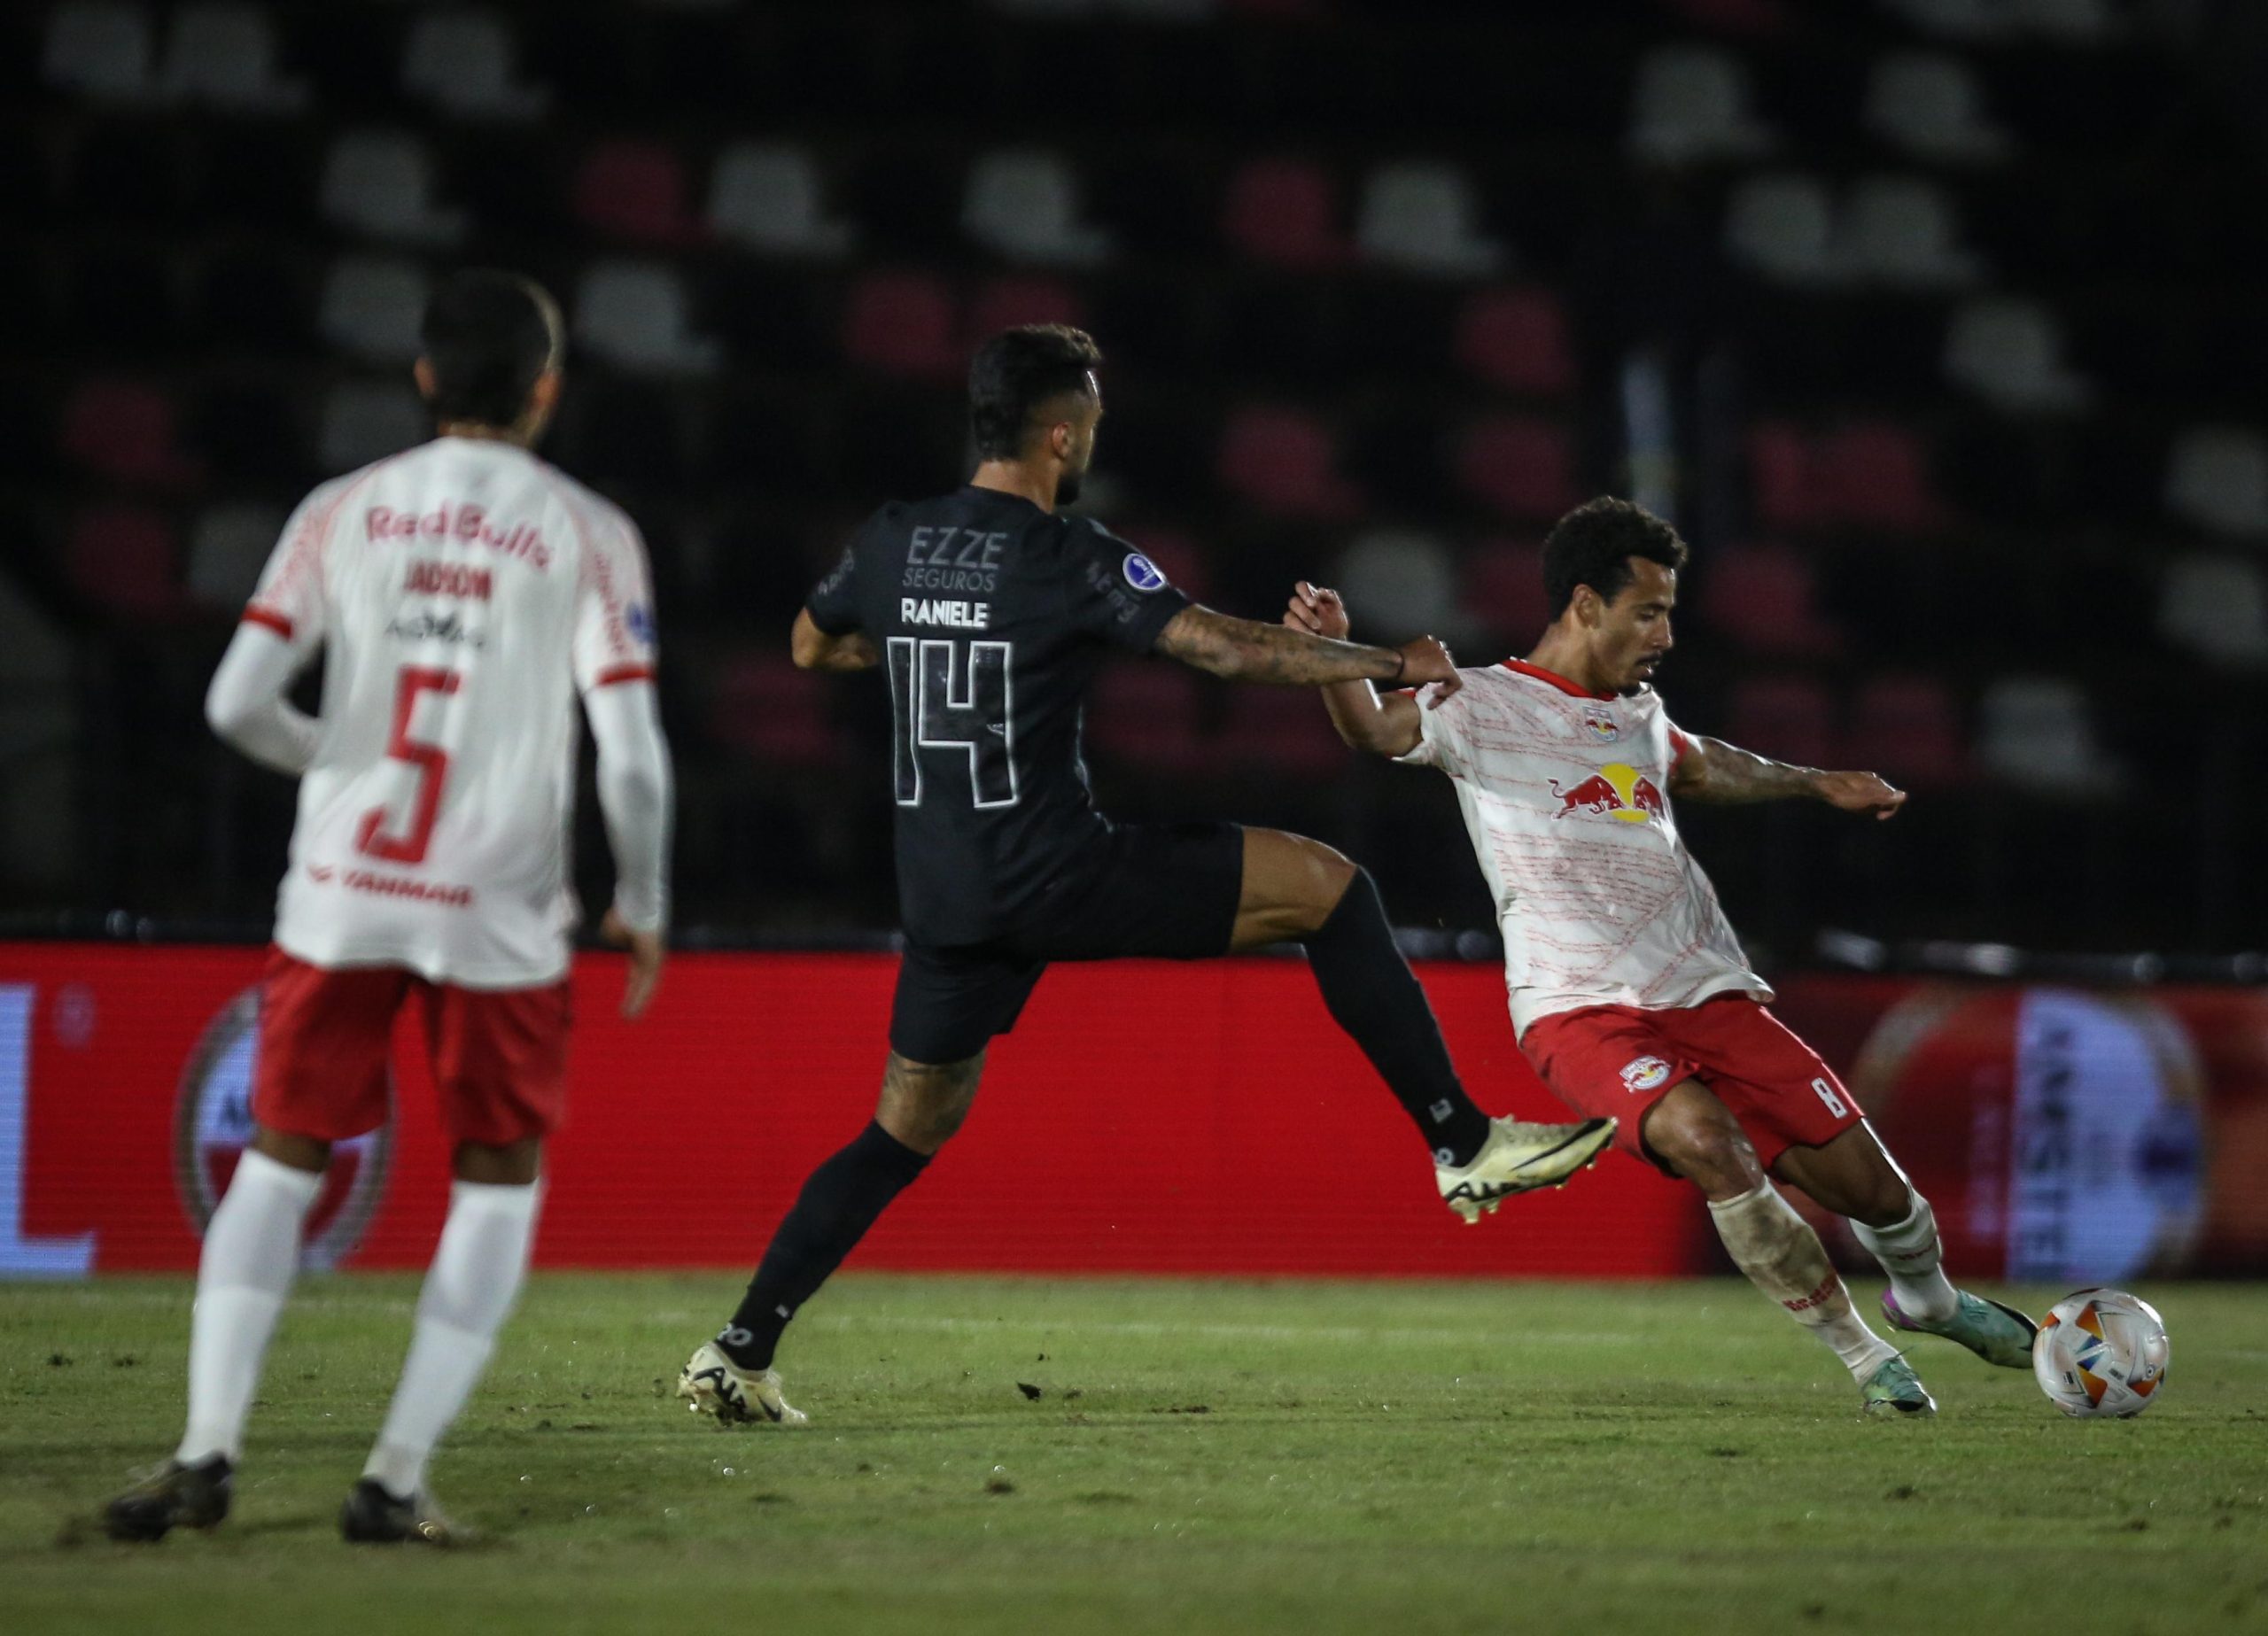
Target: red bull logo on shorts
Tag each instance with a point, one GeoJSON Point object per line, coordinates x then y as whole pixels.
{"type": "Point", "coordinates": [1614, 791]}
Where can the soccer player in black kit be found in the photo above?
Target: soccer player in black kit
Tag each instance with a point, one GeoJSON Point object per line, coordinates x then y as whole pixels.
{"type": "Point", "coordinates": [989, 613]}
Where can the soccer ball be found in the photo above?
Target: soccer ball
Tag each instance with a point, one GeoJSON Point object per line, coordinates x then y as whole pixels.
{"type": "Point", "coordinates": [2101, 1352]}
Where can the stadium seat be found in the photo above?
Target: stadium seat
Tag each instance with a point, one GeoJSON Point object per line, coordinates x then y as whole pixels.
{"type": "Point", "coordinates": [768, 710]}
{"type": "Point", "coordinates": [768, 198]}
{"type": "Point", "coordinates": [380, 183]}
{"type": "Point", "coordinates": [1146, 715]}
{"type": "Point", "coordinates": [2071, 22]}
{"type": "Point", "coordinates": [1520, 466]}
{"type": "Point", "coordinates": [1517, 339]}
{"type": "Point", "coordinates": [1876, 474]}
{"type": "Point", "coordinates": [366, 421]}
{"type": "Point", "coordinates": [1023, 204]}
{"type": "Point", "coordinates": [1932, 106]}
{"type": "Point", "coordinates": [636, 314]}
{"type": "Point", "coordinates": [1280, 732]}
{"type": "Point", "coordinates": [2009, 351]}
{"type": "Point", "coordinates": [1764, 597]}
{"type": "Point", "coordinates": [1783, 226]}
{"type": "Point", "coordinates": [227, 548]}
{"type": "Point", "coordinates": [372, 305]}
{"type": "Point", "coordinates": [225, 57]}
{"type": "Point", "coordinates": [903, 323]}
{"type": "Point", "coordinates": [1907, 728]}
{"type": "Point", "coordinates": [1000, 303]}
{"type": "Point", "coordinates": [1283, 212]}
{"type": "Point", "coordinates": [1783, 486]}
{"type": "Point", "coordinates": [127, 432]}
{"type": "Point", "coordinates": [1694, 105]}
{"type": "Point", "coordinates": [1398, 584]}
{"type": "Point", "coordinates": [2218, 480]}
{"type": "Point", "coordinates": [1503, 594]}
{"type": "Point", "coordinates": [1283, 461]}
{"type": "Point", "coordinates": [100, 51]}
{"type": "Point", "coordinates": [1788, 717]}
{"type": "Point", "coordinates": [2215, 608]}
{"type": "Point", "coordinates": [465, 64]}
{"type": "Point", "coordinates": [636, 192]}
{"type": "Point", "coordinates": [124, 559]}
{"type": "Point", "coordinates": [1901, 232]}
{"type": "Point", "coordinates": [1427, 220]}
{"type": "Point", "coordinates": [1972, 20]}
{"type": "Point", "coordinates": [2037, 733]}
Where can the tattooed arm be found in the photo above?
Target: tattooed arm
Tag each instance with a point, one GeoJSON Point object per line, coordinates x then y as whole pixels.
{"type": "Point", "coordinates": [1248, 651]}
{"type": "Point", "coordinates": [1713, 771]}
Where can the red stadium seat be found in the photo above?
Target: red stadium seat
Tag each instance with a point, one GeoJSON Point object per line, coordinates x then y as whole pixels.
{"type": "Point", "coordinates": [1878, 476]}
{"type": "Point", "coordinates": [1517, 339]}
{"type": "Point", "coordinates": [1907, 728]}
{"type": "Point", "coordinates": [1285, 213]}
{"type": "Point", "coordinates": [1502, 592]}
{"type": "Point", "coordinates": [1146, 715]}
{"type": "Point", "coordinates": [1785, 492]}
{"type": "Point", "coordinates": [1763, 597]}
{"type": "Point", "coordinates": [1789, 717]}
{"type": "Point", "coordinates": [637, 191]}
{"type": "Point", "coordinates": [775, 713]}
{"type": "Point", "coordinates": [126, 432]}
{"type": "Point", "coordinates": [903, 323]}
{"type": "Point", "coordinates": [1002, 303]}
{"type": "Point", "coordinates": [1518, 466]}
{"type": "Point", "coordinates": [1283, 730]}
{"type": "Point", "coordinates": [1285, 462]}
{"type": "Point", "coordinates": [126, 558]}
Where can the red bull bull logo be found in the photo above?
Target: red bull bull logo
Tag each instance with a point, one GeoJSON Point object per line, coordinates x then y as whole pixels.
{"type": "Point", "coordinates": [1614, 791]}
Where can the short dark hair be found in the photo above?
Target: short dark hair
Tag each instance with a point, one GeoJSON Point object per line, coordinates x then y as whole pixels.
{"type": "Point", "coordinates": [1593, 545]}
{"type": "Point", "coordinates": [489, 335]}
{"type": "Point", "coordinates": [1017, 371]}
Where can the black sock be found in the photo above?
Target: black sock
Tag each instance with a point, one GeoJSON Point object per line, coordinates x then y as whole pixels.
{"type": "Point", "coordinates": [1373, 995]}
{"type": "Point", "coordinates": [843, 1198]}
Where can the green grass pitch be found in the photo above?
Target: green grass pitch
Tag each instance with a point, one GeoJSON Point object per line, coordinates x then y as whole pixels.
{"type": "Point", "coordinates": [1249, 1457]}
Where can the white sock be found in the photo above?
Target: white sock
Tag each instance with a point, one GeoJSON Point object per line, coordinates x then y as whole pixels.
{"type": "Point", "coordinates": [252, 1250]}
{"type": "Point", "coordinates": [475, 1278]}
{"type": "Point", "coordinates": [1911, 1254]}
{"type": "Point", "coordinates": [1783, 1258]}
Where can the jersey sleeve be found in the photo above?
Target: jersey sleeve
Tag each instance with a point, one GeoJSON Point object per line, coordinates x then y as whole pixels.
{"type": "Point", "coordinates": [613, 606]}
{"type": "Point", "coordinates": [1113, 592]}
{"type": "Point", "coordinates": [1441, 734]}
{"type": "Point", "coordinates": [289, 599]}
{"type": "Point", "coordinates": [833, 602]}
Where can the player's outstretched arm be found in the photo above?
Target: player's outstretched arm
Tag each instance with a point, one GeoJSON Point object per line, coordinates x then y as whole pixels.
{"type": "Point", "coordinates": [246, 704]}
{"type": "Point", "coordinates": [815, 650]}
{"type": "Point", "coordinates": [1382, 726]}
{"type": "Point", "coordinates": [1713, 771]}
{"type": "Point", "coordinates": [1245, 650]}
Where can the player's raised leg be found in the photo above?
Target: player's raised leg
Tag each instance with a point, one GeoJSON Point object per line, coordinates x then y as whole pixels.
{"type": "Point", "coordinates": [243, 1274]}
{"type": "Point", "coordinates": [922, 1104]}
{"type": "Point", "coordinates": [1298, 890]}
{"type": "Point", "coordinates": [1695, 1135]}
{"type": "Point", "coordinates": [1853, 1176]}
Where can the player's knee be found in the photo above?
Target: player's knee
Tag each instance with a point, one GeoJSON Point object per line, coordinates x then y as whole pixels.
{"type": "Point", "coordinates": [1328, 877]}
{"type": "Point", "coordinates": [923, 1104]}
{"type": "Point", "coordinates": [1887, 1199]}
{"type": "Point", "coordinates": [1702, 1144]}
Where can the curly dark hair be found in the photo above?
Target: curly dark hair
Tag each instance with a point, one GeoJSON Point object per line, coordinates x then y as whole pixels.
{"type": "Point", "coordinates": [1593, 545]}
{"type": "Point", "coordinates": [1017, 371]}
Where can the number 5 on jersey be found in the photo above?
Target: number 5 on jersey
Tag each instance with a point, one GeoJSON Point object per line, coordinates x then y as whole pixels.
{"type": "Point", "coordinates": [432, 763]}
{"type": "Point", "coordinates": [954, 696]}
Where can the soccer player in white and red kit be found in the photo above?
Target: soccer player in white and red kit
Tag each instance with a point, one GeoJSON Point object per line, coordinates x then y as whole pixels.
{"type": "Point", "coordinates": [1629, 992]}
{"type": "Point", "coordinates": [463, 595]}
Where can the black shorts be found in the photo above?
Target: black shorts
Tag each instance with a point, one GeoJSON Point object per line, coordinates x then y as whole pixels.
{"type": "Point", "coordinates": [1166, 892]}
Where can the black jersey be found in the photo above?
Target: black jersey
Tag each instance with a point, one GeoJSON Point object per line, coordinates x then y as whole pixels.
{"type": "Point", "coordinates": [990, 616]}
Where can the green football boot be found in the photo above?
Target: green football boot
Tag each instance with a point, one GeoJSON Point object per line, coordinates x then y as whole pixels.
{"type": "Point", "coordinates": [1997, 1334]}
{"type": "Point", "coordinates": [1895, 1392]}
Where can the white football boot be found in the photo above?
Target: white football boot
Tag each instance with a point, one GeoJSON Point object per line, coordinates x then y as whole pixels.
{"type": "Point", "coordinates": [712, 1384]}
{"type": "Point", "coordinates": [1517, 1158]}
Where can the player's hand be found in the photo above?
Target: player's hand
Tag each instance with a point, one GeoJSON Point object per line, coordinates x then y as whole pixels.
{"type": "Point", "coordinates": [1860, 792]}
{"type": "Point", "coordinates": [1428, 660]}
{"type": "Point", "coordinates": [647, 953]}
{"type": "Point", "coordinates": [1317, 611]}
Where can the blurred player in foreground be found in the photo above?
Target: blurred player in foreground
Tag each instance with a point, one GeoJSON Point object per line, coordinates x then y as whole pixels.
{"type": "Point", "coordinates": [463, 593]}
{"type": "Point", "coordinates": [1629, 992]}
{"type": "Point", "coordinates": [990, 613]}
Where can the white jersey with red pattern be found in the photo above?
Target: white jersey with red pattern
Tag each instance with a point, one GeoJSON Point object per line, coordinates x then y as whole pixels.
{"type": "Point", "coordinates": [463, 593]}
{"type": "Point", "coordinates": [1565, 795]}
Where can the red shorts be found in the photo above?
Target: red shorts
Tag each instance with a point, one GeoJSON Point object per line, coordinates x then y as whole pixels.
{"type": "Point", "coordinates": [1617, 1061]}
{"type": "Point", "coordinates": [499, 1056]}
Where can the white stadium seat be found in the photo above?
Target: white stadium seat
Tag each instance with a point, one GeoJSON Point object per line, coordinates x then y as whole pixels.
{"type": "Point", "coordinates": [1399, 579]}
{"type": "Point", "coordinates": [1783, 225]}
{"type": "Point", "coordinates": [1024, 204]}
{"type": "Point", "coordinates": [2217, 479]}
{"type": "Point", "coordinates": [2009, 351]}
{"type": "Point", "coordinates": [2037, 733]}
{"type": "Point", "coordinates": [1903, 232]}
{"type": "Point", "coordinates": [464, 63]}
{"type": "Point", "coordinates": [768, 197]}
{"type": "Point", "coordinates": [1425, 218]}
{"type": "Point", "coordinates": [372, 305]}
{"type": "Point", "coordinates": [225, 57]}
{"type": "Point", "coordinates": [99, 50]}
{"type": "Point", "coordinates": [635, 314]}
{"type": "Point", "coordinates": [1693, 104]}
{"type": "Point", "coordinates": [365, 421]}
{"type": "Point", "coordinates": [2217, 607]}
{"type": "Point", "coordinates": [380, 183]}
{"type": "Point", "coordinates": [1932, 106]}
